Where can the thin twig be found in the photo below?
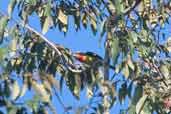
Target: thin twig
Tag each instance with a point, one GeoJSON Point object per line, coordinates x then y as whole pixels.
{"type": "Point", "coordinates": [152, 65]}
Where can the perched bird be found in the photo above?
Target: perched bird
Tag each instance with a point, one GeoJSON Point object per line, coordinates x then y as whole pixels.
{"type": "Point", "coordinates": [90, 58]}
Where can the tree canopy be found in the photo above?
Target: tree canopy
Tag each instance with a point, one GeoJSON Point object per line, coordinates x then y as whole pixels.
{"type": "Point", "coordinates": [136, 66]}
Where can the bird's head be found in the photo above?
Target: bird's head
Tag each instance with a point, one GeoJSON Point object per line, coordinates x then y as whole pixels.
{"type": "Point", "coordinates": [80, 56]}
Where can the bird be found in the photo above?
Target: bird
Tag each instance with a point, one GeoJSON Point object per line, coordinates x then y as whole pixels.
{"type": "Point", "coordinates": [90, 58]}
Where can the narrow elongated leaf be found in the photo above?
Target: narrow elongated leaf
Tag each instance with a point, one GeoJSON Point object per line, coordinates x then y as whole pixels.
{"type": "Point", "coordinates": [3, 24]}
{"type": "Point", "coordinates": [164, 70]}
{"type": "Point", "coordinates": [102, 29]}
{"type": "Point", "coordinates": [168, 44]}
{"type": "Point", "coordinates": [41, 91]}
{"type": "Point", "coordinates": [140, 104]}
{"type": "Point", "coordinates": [62, 17]}
{"type": "Point", "coordinates": [125, 71]}
{"type": "Point", "coordinates": [47, 85]}
{"type": "Point", "coordinates": [12, 110]}
{"type": "Point", "coordinates": [46, 24]}
{"type": "Point", "coordinates": [115, 50]}
{"type": "Point", "coordinates": [137, 94]}
{"type": "Point", "coordinates": [132, 109]}
{"type": "Point", "coordinates": [23, 89]}
{"type": "Point", "coordinates": [84, 19]}
{"type": "Point", "coordinates": [93, 23]}
{"type": "Point", "coordinates": [15, 90]}
{"type": "Point", "coordinates": [89, 92]}
{"type": "Point", "coordinates": [130, 63]}
{"type": "Point", "coordinates": [3, 51]}
{"type": "Point", "coordinates": [54, 82]}
{"type": "Point", "coordinates": [13, 45]}
{"type": "Point", "coordinates": [11, 7]}
{"type": "Point", "coordinates": [111, 7]}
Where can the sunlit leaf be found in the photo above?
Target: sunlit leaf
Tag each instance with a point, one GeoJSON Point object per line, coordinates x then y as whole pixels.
{"type": "Point", "coordinates": [46, 24]}
{"type": "Point", "coordinates": [164, 70]}
{"type": "Point", "coordinates": [13, 45]}
{"type": "Point", "coordinates": [93, 23]}
{"type": "Point", "coordinates": [62, 17]}
{"type": "Point", "coordinates": [3, 24]}
{"type": "Point", "coordinates": [125, 71]}
{"type": "Point", "coordinates": [15, 90]}
{"type": "Point", "coordinates": [47, 85]}
{"type": "Point", "coordinates": [11, 7]}
{"type": "Point", "coordinates": [168, 44]}
{"type": "Point", "coordinates": [111, 7]}
{"type": "Point", "coordinates": [23, 89]}
{"type": "Point", "coordinates": [84, 19]}
{"type": "Point", "coordinates": [33, 103]}
{"type": "Point", "coordinates": [41, 91]}
{"type": "Point", "coordinates": [130, 63]}
{"type": "Point", "coordinates": [140, 104]}
{"type": "Point", "coordinates": [119, 6]}
{"type": "Point", "coordinates": [54, 82]}
{"type": "Point", "coordinates": [140, 8]}
{"type": "Point", "coordinates": [76, 91]}
{"type": "Point", "coordinates": [102, 28]}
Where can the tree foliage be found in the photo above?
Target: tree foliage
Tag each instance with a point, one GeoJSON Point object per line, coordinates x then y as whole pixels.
{"type": "Point", "coordinates": [137, 50]}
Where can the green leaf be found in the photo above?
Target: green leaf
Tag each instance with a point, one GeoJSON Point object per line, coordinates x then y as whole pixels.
{"type": "Point", "coordinates": [3, 24]}
{"type": "Point", "coordinates": [11, 7]}
{"type": "Point", "coordinates": [147, 108]}
{"type": "Point", "coordinates": [93, 23]}
{"type": "Point", "coordinates": [7, 91]}
{"type": "Point", "coordinates": [125, 71]}
{"type": "Point", "coordinates": [24, 88]}
{"type": "Point", "coordinates": [15, 90]}
{"type": "Point", "coordinates": [63, 18]}
{"type": "Point", "coordinates": [33, 103]}
{"type": "Point", "coordinates": [12, 110]}
{"type": "Point", "coordinates": [137, 94]}
{"type": "Point", "coordinates": [89, 92]}
{"type": "Point", "coordinates": [132, 109]}
{"type": "Point", "coordinates": [122, 93]}
{"type": "Point", "coordinates": [33, 2]}
{"type": "Point", "coordinates": [111, 7]}
{"type": "Point", "coordinates": [102, 28]}
{"type": "Point", "coordinates": [130, 63]}
{"type": "Point", "coordinates": [133, 35]}
{"type": "Point", "coordinates": [13, 45]}
{"type": "Point", "coordinates": [3, 52]}
{"type": "Point", "coordinates": [41, 91]}
{"type": "Point", "coordinates": [115, 49]}
{"type": "Point", "coordinates": [119, 6]}
{"type": "Point", "coordinates": [168, 44]}
{"type": "Point", "coordinates": [164, 70]}
{"type": "Point", "coordinates": [130, 87]}
{"type": "Point", "coordinates": [46, 24]}
{"type": "Point", "coordinates": [140, 104]}
{"type": "Point", "coordinates": [47, 9]}
{"type": "Point", "coordinates": [84, 19]}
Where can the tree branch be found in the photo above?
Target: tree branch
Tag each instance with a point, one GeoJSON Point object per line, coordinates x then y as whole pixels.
{"type": "Point", "coordinates": [70, 66]}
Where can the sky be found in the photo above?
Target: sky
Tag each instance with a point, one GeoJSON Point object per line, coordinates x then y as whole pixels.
{"type": "Point", "coordinates": [83, 40]}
